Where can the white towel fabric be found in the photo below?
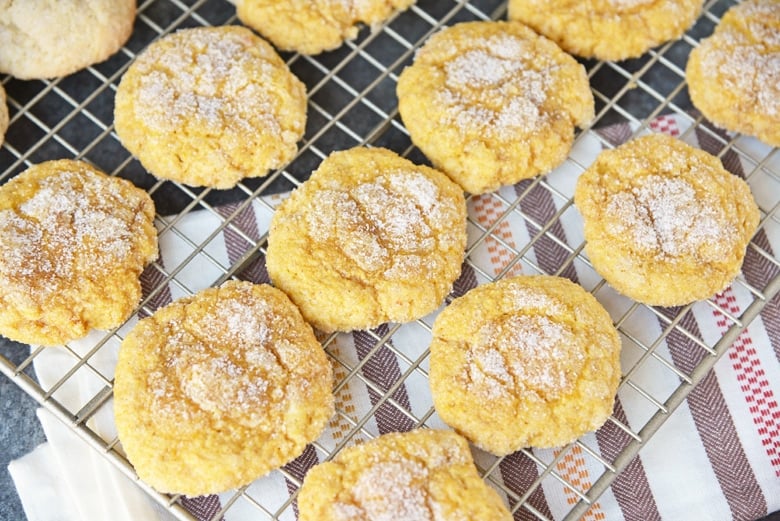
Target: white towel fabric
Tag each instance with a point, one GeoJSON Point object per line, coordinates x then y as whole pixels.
{"type": "Point", "coordinates": [716, 458]}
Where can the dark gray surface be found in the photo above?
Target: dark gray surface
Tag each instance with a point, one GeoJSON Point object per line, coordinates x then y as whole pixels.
{"type": "Point", "coordinates": [20, 431]}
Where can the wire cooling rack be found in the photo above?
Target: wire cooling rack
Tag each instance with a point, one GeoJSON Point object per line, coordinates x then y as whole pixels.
{"type": "Point", "coordinates": [352, 102]}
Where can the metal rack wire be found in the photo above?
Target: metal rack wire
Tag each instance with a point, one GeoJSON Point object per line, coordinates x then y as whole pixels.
{"type": "Point", "coordinates": [352, 102]}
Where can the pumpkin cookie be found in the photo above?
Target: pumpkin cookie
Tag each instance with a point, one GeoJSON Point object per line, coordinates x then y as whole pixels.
{"type": "Point", "coordinates": [215, 390]}
{"type": "Point", "coordinates": [313, 26]}
{"type": "Point", "coordinates": [607, 29]}
{"type": "Point", "coordinates": [50, 38]}
{"type": "Point", "coordinates": [369, 238]}
{"type": "Point", "coordinates": [210, 106]}
{"type": "Point", "coordinates": [492, 103]}
{"type": "Point", "coordinates": [665, 223]}
{"type": "Point", "coordinates": [734, 75]}
{"type": "Point", "coordinates": [74, 243]}
{"type": "Point", "coordinates": [540, 350]}
{"type": "Point", "coordinates": [419, 475]}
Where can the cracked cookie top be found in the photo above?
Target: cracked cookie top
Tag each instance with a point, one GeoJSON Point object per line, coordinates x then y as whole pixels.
{"type": "Point", "coordinates": [369, 238]}
{"type": "Point", "coordinates": [422, 475]}
{"type": "Point", "coordinates": [540, 349]}
{"type": "Point", "coordinates": [665, 223]}
{"type": "Point", "coordinates": [492, 103]}
{"type": "Point", "coordinates": [217, 389]}
{"type": "Point", "coordinates": [74, 242]}
{"type": "Point", "coordinates": [210, 106]}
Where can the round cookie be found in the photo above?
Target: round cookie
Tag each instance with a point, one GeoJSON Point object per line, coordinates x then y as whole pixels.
{"type": "Point", "coordinates": [607, 29]}
{"type": "Point", "coordinates": [49, 38]}
{"type": "Point", "coordinates": [734, 75]}
{"type": "Point", "coordinates": [417, 475]}
{"type": "Point", "coordinates": [540, 350]}
{"type": "Point", "coordinates": [216, 390]}
{"type": "Point", "coordinates": [74, 243]}
{"type": "Point", "coordinates": [369, 238]}
{"type": "Point", "coordinates": [3, 114]}
{"type": "Point", "coordinates": [314, 26]}
{"type": "Point", "coordinates": [665, 223]}
{"type": "Point", "coordinates": [210, 106]}
{"type": "Point", "coordinates": [492, 103]}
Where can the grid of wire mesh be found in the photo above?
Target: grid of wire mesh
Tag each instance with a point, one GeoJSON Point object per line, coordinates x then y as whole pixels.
{"type": "Point", "coordinates": [352, 102]}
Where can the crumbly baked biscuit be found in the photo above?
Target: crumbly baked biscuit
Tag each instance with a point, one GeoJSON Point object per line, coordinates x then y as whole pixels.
{"type": "Point", "coordinates": [217, 389]}
{"type": "Point", "coordinates": [665, 223]}
{"type": "Point", "coordinates": [492, 103]}
{"type": "Point", "coordinates": [734, 75]}
{"type": "Point", "coordinates": [3, 114]}
{"type": "Point", "coordinates": [314, 26]}
{"type": "Point", "coordinates": [540, 350]}
{"type": "Point", "coordinates": [49, 38]}
{"type": "Point", "coordinates": [418, 475]}
{"type": "Point", "coordinates": [369, 238]}
{"type": "Point", "coordinates": [210, 106]}
{"type": "Point", "coordinates": [607, 29]}
{"type": "Point", "coordinates": [73, 243]}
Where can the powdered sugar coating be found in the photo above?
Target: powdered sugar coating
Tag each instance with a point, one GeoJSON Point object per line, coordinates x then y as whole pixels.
{"type": "Point", "coordinates": [208, 77]}
{"type": "Point", "coordinates": [383, 225]}
{"type": "Point", "coordinates": [228, 385]}
{"type": "Point", "coordinates": [497, 88]}
{"type": "Point", "coordinates": [666, 218]}
{"type": "Point", "coordinates": [665, 223]}
{"type": "Point", "coordinates": [540, 351]}
{"type": "Point", "coordinates": [369, 238]}
{"type": "Point", "coordinates": [531, 356]}
{"type": "Point", "coordinates": [241, 384]}
{"type": "Point", "coordinates": [74, 242]}
{"type": "Point", "coordinates": [491, 103]}
{"type": "Point", "coordinates": [422, 475]}
{"type": "Point", "coordinates": [210, 106]}
{"type": "Point", "coordinates": [734, 75]}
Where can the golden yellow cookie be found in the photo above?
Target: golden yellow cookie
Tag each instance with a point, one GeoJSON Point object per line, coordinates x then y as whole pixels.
{"type": "Point", "coordinates": [734, 75]}
{"type": "Point", "coordinates": [73, 242]}
{"type": "Point", "coordinates": [3, 114]}
{"type": "Point", "coordinates": [48, 38]}
{"type": "Point", "coordinates": [530, 361]}
{"type": "Point", "coordinates": [215, 390]}
{"type": "Point", "coordinates": [491, 103]}
{"type": "Point", "coordinates": [313, 26]}
{"type": "Point", "coordinates": [419, 475]}
{"type": "Point", "coordinates": [665, 223]}
{"type": "Point", "coordinates": [369, 238]}
{"type": "Point", "coordinates": [607, 29]}
{"type": "Point", "coordinates": [210, 106]}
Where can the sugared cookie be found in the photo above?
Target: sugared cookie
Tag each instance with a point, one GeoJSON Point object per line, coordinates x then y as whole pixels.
{"type": "Point", "coordinates": [49, 38]}
{"type": "Point", "coordinates": [423, 475]}
{"type": "Point", "coordinates": [210, 106]}
{"type": "Point", "coordinates": [492, 103]}
{"type": "Point", "coordinates": [524, 362]}
{"type": "Point", "coordinates": [607, 29]}
{"type": "Point", "coordinates": [665, 223]}
{"type": "Point", "coordinates": [313, 26]}
{"type": "Point", "coordinates": [215, 390]}
{"type": "Point", "coordinates": [3, 114]}
{"type": "Point", "coordinates": [369, 238]}
{"type": "Point", "coordinates": [734, 75]}
{"type": "Point", "coordinates": [73, 242]}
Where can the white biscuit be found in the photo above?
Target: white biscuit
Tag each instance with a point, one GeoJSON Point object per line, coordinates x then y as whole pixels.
{"type": "Point", "coordinates": [50, 38]}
